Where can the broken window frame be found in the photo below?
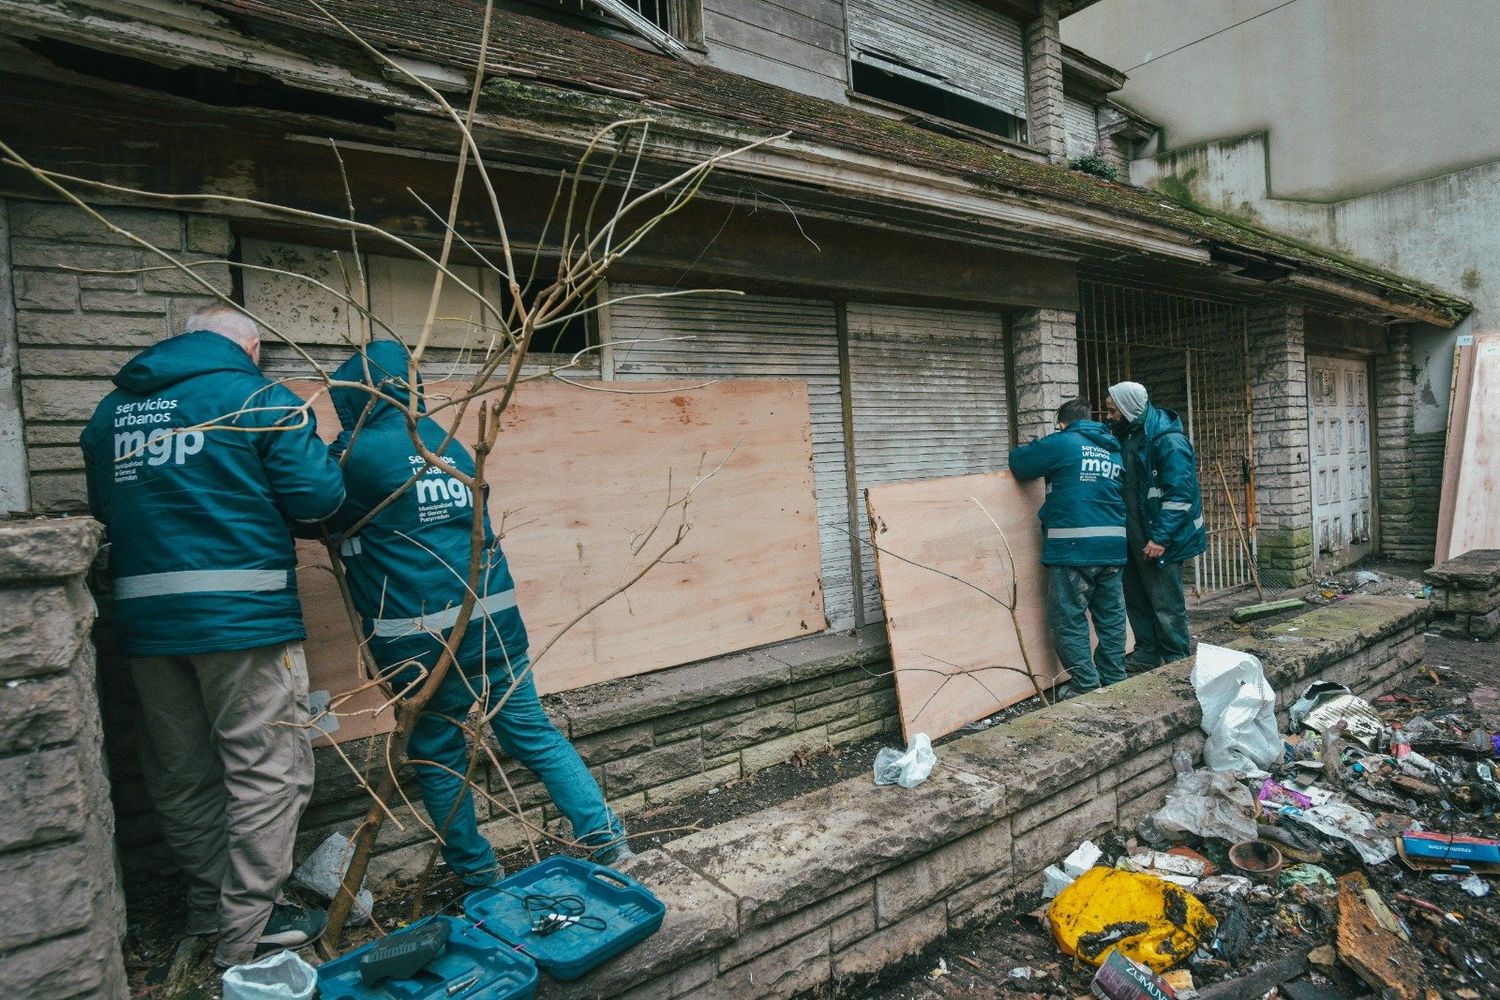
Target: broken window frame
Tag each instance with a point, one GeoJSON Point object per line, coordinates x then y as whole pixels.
{"type": "Point", "coordinates": [683, 19]}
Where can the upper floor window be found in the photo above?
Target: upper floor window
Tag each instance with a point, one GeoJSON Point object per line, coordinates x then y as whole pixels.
{"type": "Point", "coordinates": [950, 59]}
{"type": "Point", "coordinates": [681, 19]}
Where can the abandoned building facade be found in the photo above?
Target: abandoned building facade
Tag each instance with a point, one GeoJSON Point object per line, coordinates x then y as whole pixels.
{"type": "Point", "coordinates": [917, 249]}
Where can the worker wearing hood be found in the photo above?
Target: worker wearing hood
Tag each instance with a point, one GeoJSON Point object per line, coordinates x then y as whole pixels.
{"type": "Point", "coordinates": [1163, 524]}
{"type": "Point", "coordinates": [407, 570]}
{"type": "Point", "coordinates": [1083, 524]}
{"type": "Point", "coordinates": [198, 464]}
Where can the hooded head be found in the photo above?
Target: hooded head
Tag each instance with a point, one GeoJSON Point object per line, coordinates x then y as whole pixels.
{"type": "Point", "coordinates": [1130, 399]}
{"type": "Point", "coordinates": [382, 364]}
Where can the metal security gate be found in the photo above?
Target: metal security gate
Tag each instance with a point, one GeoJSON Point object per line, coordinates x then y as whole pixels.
{"type": "Point", "coordinates": [1192, 354]}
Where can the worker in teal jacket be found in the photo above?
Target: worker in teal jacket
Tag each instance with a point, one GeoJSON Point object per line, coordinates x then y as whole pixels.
{"type": "Point", "coordinates": [1163, 521]}
{"type": "Point", "coordinates": [1083, 525]}
{"type": "Point", "coordinates": [198, 466]}
{"type": "Point", "coordinates": [407, 570]}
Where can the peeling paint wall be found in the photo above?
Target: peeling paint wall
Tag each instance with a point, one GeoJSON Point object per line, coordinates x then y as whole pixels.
{"type": "Point", "coordinates": [1444, 230]}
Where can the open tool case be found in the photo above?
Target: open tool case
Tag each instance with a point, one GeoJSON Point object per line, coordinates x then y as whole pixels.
{"type": "Point", "coordinates": [564, 915]}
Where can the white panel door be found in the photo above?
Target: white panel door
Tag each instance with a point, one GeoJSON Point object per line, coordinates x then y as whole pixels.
{"type": "Point", "coordinates": [1339, 425]}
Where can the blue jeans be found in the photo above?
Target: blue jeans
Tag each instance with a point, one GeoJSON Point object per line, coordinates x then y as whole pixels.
{"type": "Point", "coordinates": [525, 734]}
{"type": "Point", "coordinates": [1073, 594]}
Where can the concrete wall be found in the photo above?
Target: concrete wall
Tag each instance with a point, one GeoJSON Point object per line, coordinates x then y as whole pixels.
{"type": "Point", "coordinates": [1359, 95]}
{"type": "Point", "coordinates": [62, 915]}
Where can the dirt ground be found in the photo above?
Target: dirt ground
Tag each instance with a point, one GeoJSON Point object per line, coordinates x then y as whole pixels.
{"type": "Point", "coordinates": [1461, 960]}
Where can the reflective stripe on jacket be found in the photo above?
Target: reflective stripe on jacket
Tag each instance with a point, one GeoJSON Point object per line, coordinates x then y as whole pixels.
{"type": "Point", "coordinates": [408, 567]}
{"type": "Point", "coordinates": [196, 464]}
{"type": "Point", "coordinates": [1162, 471]}
{"type": "Point", "coordinates": [1083, 518]}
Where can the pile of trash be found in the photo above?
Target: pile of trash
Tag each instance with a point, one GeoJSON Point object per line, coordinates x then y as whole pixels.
{"type": "Point", "coordinates": [1342, 586]}
{"type": "Point", "coordinates": [1306, 865]}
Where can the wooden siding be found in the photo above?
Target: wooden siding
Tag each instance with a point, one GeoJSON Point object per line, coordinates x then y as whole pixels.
{"type": "Point", "coordinates": [929, 398]}
{"type": "Point", "coordinates": [754, 337]}
{"type": "Point", "coordinates": [796, 44]}
{"type": "Point", "coordinates": [953, 44]}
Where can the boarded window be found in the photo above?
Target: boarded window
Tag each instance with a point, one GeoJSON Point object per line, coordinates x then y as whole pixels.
{"type": "Point", "coordinates": [953, 46]}
{"type": "Point", "coordinates": [754, 336]}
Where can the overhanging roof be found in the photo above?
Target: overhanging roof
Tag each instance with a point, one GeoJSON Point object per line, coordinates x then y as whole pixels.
{"type": "Point", "coordinates": [550, 76]}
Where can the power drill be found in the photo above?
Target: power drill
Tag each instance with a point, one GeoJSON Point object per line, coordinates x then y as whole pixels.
{"type": "Point", "coordinates": [401, 955]}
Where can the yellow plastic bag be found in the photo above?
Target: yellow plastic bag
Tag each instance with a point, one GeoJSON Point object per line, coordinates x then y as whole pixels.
{"type": "Point", "coordinates": [1147, 919]}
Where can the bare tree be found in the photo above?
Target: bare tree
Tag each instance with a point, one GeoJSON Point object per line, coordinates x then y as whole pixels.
{"type": "Point", "coordinates": [601, 211]}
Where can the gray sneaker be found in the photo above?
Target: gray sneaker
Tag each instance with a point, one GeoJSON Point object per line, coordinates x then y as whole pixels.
{"type": "Point", "coordinates": [614, 853]}
{"type": "Point", "coordinates": [292, 926]}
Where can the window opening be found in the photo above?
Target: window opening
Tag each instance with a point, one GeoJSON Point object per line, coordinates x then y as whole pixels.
{"type": "Point", "coordinates": [903, 90]}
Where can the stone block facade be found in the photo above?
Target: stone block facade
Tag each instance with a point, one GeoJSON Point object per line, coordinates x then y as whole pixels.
{"type": "Point", "coordinates": [1045, 352]}
{"type": "Point", "coordinates": [1466, 594]}
{"type": "Point", "coordinates": [86, 299]}
{"type": "Point", "coordinates": [651, 741]}
{"type": "Point", "coordinates": [1283, 474]}
{"type": "Point", "coordinates": [1396, 495]}
{"type": "Point", "coordinates": [847, 880]}
{"type": "Point", "coordinates": [1044, 83]}
{"type": "Point", "coordinates": [62, 914]}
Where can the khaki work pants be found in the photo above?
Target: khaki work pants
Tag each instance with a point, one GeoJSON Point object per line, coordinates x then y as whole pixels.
{"type": "Point", "coordinates": [228, 782]}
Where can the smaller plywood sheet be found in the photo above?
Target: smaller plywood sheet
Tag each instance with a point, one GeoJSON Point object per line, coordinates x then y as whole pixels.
{"type": "Point", "coordinates": [1469, 516]}
{"type": "Point", "coordinates": [578, 480]}
{"type": "Point", "coordinates": [956, 650]}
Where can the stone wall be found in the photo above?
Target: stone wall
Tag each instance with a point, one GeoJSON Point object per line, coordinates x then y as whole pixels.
{"type": "Point", "coordinates": [847, 880]}
{"type": "Point", "coordinates": [1283, 475]}
{"type": "Point", "coordinates": [1045, 343]}
{"type": "Point", "coordinates": [1396, 496]}
{"type": "Point", "coordinates": [1044, 83]}
{"type": "Point", "coordinates": [651, 740]}
{"type": "Point", "coordinates": [61, 911]}
{"type": "Point", "coordinates": [76, 330]}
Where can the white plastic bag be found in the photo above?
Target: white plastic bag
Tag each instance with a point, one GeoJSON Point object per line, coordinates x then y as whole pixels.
{"type": "Point", "coordinates": [909, 769]}
{"type": "Point", "coordinates": [282, 976]}
{"type": "Point", "coordinates": [1239, 710]}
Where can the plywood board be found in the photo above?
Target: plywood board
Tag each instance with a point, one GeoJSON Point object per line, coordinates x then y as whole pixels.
{"type": "Point", "coordinates": [1469, 515]}
{"type": "Point", "coordinates": [580, 476]}
{"type": "Point", "coordinates": [955, 649]}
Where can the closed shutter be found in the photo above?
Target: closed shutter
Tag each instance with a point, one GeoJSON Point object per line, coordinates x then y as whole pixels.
{"type": "Point", "coordinates": [953, 44]}
{"type": "Point", "coordinates": [754, 337]}
{"type": "Point", "coordinates": [1081, 128]}
{"type": "Point", "coordinates": [929, 399]}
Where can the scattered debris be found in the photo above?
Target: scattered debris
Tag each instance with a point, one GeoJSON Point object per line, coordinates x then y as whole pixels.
{"type": "Point", "coordinates": [322, 873]}
{"type": "Point", "coordinates": [1380, 957]}
{"type": "Point", "coordinates": [1204, 803]}
{"type": "Point", "coordinates": [909, 769]}
{"type": "Point", "coordinates": [1119, 978]}
{"type": "Point", "coordinates": [1145, 918]}
{"type": "Point", "coordinates": [1254, 611]}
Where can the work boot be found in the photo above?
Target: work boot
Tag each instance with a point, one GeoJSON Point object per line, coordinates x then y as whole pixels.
{"type": "Point", "coordinates": [1136, 665]}
{"type": "Point", "coordinates": [615, 853]}
{"type": "Point", "coordinates": [1069, 690]}
{"type": "Point", "coordinates": [484, 877]}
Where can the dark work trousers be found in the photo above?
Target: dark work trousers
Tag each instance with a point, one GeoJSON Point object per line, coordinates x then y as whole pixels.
{"type": "Point", "coordinates": [1074, 594]}
{"type": "Point", "coordinates": [1158, 611]}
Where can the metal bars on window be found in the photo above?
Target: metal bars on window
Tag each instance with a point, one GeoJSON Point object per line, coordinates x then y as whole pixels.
{"type": "Point", "coordinates": [1191, 353]}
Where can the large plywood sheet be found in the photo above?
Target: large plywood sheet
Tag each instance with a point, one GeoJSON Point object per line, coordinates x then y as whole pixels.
{"type": "Point", "coordinates": [1469, 516]}
{"type": "Point", "coordinates": [955, 650]}
{"type": "Point", "coordinates": [579, 477]}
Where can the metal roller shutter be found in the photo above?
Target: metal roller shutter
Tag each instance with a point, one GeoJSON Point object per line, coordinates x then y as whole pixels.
{"type": "Point", "coordinates": [953, 44]}
{"type": "Point", "coordinates": [1080, 125]}
{"type": "Point", "coordinates": [755, 337]}
{"type": "Point", "coordinates": [929, 398]}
